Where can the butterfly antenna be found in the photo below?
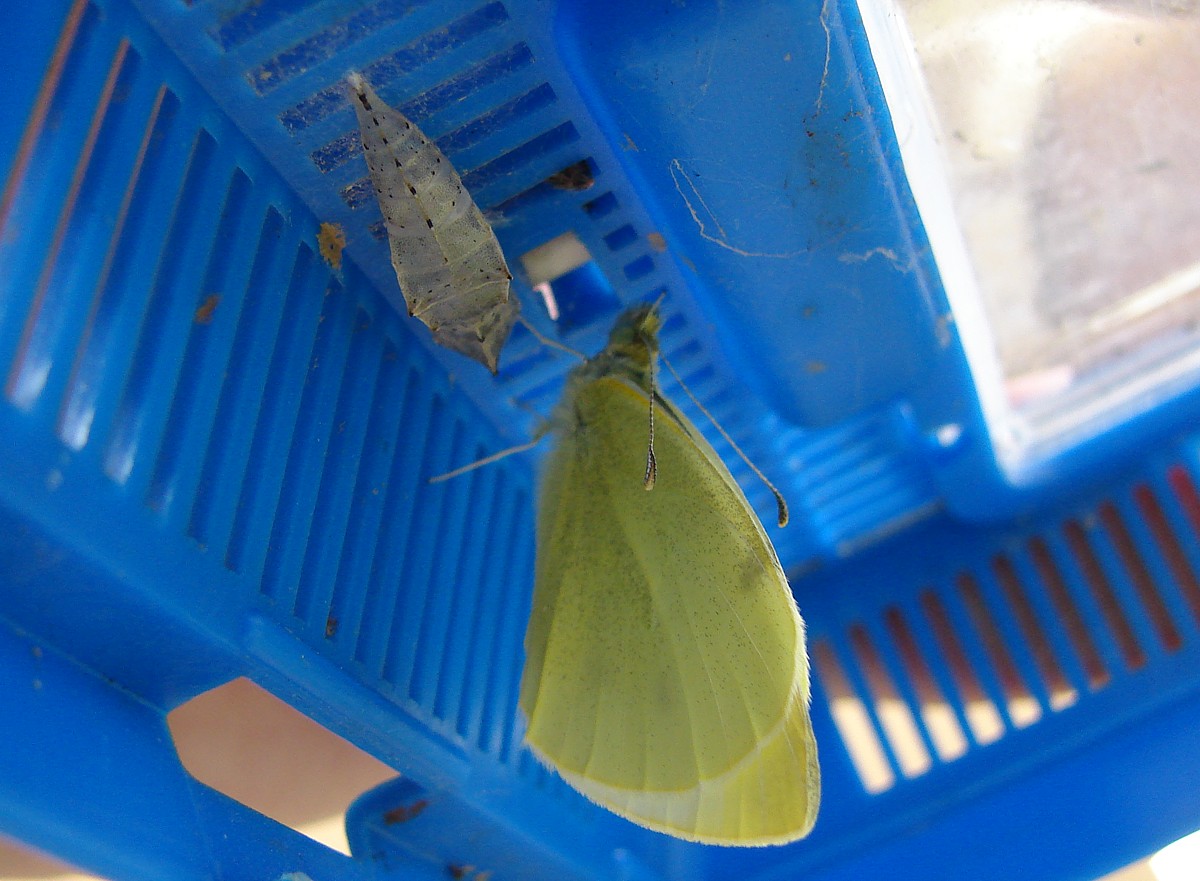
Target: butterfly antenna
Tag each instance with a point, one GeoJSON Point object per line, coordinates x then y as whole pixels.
{"type": "Point", "coordinates": [488, 460]}
{"type": "Point", "coordinates": [546, 341]}
{"type": "Point", "coordinates": [651, 461]}
{"type": "Point", "coordinates": [780, 502]}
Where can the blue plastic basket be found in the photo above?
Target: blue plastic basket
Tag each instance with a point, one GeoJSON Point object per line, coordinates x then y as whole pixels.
{"type": "Point", "coordinates": [216, 446]}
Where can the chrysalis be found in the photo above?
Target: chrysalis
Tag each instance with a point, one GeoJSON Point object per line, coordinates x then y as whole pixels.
{"type": "Point", "coordinates": [447, 260]}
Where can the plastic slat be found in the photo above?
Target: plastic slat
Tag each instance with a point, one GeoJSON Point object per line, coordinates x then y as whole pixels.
{"type": "Point", "coordinates": [276, 415]}
{"type": "Point", "coordinates": [310, 437]}
{"type": "Point", "coordinates": [456, 63]}
{"type": "Point", "coordinates": [497, 582]}
{"type": "Point", "coordinates": [430, 518]}
{"type": "Point", "coordinates": [901, 681]}
{"type": "Point", "coordinates": [1012, 639]}
{"type": "Point", "coordinates": [1173, 623]}
{"type": "Point", "coordinates": [1129, 606]}
{"type": "Point", "coordinates": [258, 317]}
{"type": "Point", "coordinates": [140, 413]}
{"type": "Point", "coordinates": [505, 721]}
{"type": "Point", "coordinates": [100, 179]}
{"type": "Point", "coordinates": [387, 569]}
{"type": "Point", "coordinates": [1037, 592]}
{"type": "Point", "coordinates": [1097, 625]}
{"type": "Point", "coordinates": [503, 724]}
{"type": "Point", "coordinates": [851, 668]}
{"type": "Point", "coordinates": [218, 302]}
{"type": "Point", "coordinates": [1180, 529]}
{"type": "Point", "coordinates": [447, 698]}
{"type": "Point", "coordinates": [343, 457]}
{"type": "Point", "coordinates": [104, 357]}
{"type": "Point", "coordinates": [55, 153]}
{"type": "Point", "coordinates": [349, 583]}
{"type": "Point", "coordinates": [434, 577]}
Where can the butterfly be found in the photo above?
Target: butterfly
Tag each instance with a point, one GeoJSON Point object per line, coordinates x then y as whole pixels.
{"type": "Point", "coordinates": [666, 676]}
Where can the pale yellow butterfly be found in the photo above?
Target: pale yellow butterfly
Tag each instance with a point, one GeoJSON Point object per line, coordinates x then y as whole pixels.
{"type": "Point", "coordinates": [665, 676]}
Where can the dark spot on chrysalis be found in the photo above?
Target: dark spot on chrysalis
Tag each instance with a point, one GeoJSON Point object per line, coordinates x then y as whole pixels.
{"type": "Point", "coordinates": [429, 222]}
{"type": "Point", "coordinates": [407, 124]}
{"type": "Point", "coordinates": [412, 189]}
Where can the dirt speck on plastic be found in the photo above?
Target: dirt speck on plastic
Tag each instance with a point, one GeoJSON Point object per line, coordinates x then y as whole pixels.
{"type": "Point", "coordinates": [331, 239]}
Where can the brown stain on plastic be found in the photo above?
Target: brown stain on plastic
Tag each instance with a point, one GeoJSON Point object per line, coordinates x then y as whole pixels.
{"type": "Point", "coordinates": [404, 813]}
{"type": "Point", "coordinates": [331, 239]}
{"type": "Point", "coordinates": [206, 310]}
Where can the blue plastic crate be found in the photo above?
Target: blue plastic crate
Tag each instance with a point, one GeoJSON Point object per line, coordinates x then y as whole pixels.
{"type": "Point", "coordinates": [216, 446]}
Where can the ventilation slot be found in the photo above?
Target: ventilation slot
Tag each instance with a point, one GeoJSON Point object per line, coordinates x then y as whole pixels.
{"type": "Point", "coordinates": [601, 206]}
{"type": "Point", "coordinates": [238, 403]}
{"type": "Point", "coordinates": [578, 177]}
{"type": "Point", "coordinates": [168, 312]}
{"type": "Point", "coordinates": [1102, 592]}
{"type": "Point", "coordinates": [65, 270]}
{"type": "Point", "coordinates": [411, 463]}
{"type": "Point", "coordinates": [309, 435]}
{"type": "Point", "coordinates": [343, 455]}
{"type": "Point", "coordinates": [338, 36]}
{"type": "Point", "coordinates": [462, 138]}
{"type": "Point", "coordinates": [531, 153]}
{"type": "Point", "coordinates": [1059, 691]}
{"type": "Point", "coordinates": [412, 57]}
{"type": "Point", "coordinates": [983, 719]}
{"type": "Point", "coordinates": [217, 300]}
{"type": "Point", "coordinates": [288, 367]}
{"type": "Point", "coordinates": [390, 404]}
{"type": "Point", "coordinates": [942, 720]}
{"type": "Point", "coordinates": [1171, 548]}
{"type": "Point", "coordinates": [77, 33]}
{"type": "Point", "coordinates": [1049, 575]}
{"type": "Point", "coordinates": [908, 745]}
{"type": "Point", "coordinates": [639, 268]}
{"type": "Point", "coordinates": [507, 565]}
{"type": "Point", "coordinates": [112, 306]}
{"type": "Point", "coordinates": [458, 88]}
{"type": "Point", "coordinates": [253, 19]}
{"type": "Point", "coordinates": [859, 730]}
{"type": "Point", "coordinates": [411, 620]}
{"type": "Point", "coordinates": [620, 238]}
{"type": "Point", "coordinates": [436, 614]}
{"type": "Point", "coordinates": [509, 724]}
{"type": "Point", "coordinates": [453, 645]}
{"type": "Point", "coordinates": [1134, 566]}
{"type": "Point", "coordinates": [1018, 702]}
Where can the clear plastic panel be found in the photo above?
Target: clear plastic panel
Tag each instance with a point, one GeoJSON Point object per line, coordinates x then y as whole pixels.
{"type": "Point", "coordinates": [1053, 147]}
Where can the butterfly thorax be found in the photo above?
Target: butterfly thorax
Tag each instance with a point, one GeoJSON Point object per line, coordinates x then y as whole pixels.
{"type": "Point", "coordinates": [630, 354]}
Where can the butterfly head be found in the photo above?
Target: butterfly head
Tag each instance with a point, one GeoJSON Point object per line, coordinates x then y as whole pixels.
{"type": "Point", "coordinates": [635, 335]}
